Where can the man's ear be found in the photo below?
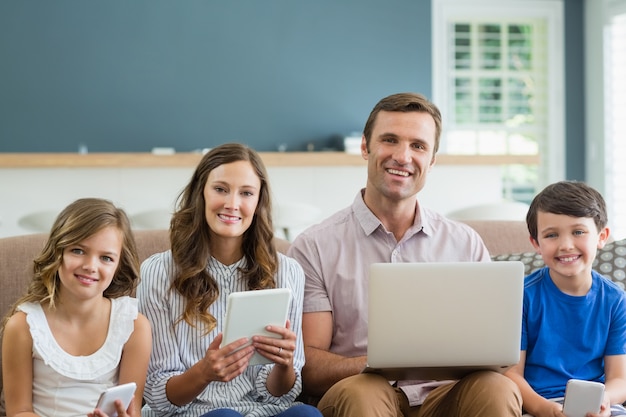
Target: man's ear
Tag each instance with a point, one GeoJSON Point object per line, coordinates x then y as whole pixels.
{"type": "Point", "coordinates": [364, 152]}
{"type": "Point", "coordinates": [432, 162]}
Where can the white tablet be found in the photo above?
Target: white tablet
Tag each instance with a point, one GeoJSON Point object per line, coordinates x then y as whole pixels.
{"type": "Point", "coordinates": [249, 312]}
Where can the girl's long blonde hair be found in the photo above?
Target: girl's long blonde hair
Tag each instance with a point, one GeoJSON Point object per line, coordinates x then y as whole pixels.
{"type": "Point", "coordinates": [77, 222]}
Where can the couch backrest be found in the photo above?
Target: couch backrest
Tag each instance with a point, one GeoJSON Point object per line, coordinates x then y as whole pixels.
{"type": "Point", "coordinates": [503, 236]}
{"type": "Point", "coordinates": [17, 254]}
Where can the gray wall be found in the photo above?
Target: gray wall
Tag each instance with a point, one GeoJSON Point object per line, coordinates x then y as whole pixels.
{"type": "Point", "coordinates": [574, 91]}
{"type": "Point", "coordinates": [120, 75]}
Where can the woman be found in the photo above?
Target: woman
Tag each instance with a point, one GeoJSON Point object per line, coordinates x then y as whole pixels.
{"type": "Point", "coordinates": [221, 239]}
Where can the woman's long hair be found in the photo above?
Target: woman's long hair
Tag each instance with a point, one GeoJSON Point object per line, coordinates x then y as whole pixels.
{"type": "Point", "coordinates": [190, 238]}
{"type": "Point", "coordinates": [80, 220]}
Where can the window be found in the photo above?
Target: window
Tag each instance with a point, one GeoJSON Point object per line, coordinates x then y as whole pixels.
{"type": "Point", "coordinates": [605, 90]}
{"type": "Point", "coordinates": [498, 79]}
{"type": "Point", "coordinates": [615, 120]}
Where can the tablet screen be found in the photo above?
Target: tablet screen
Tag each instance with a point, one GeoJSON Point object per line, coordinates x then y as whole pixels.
{"type": "Point", "coordinates": [249, 312]}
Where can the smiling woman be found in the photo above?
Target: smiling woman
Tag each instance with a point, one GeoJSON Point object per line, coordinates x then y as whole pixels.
{"type": "Point", "coordinates": [221, 238]}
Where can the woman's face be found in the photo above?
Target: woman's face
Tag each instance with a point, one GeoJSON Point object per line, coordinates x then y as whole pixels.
{"type": "Point", "coordinates": [231, 196]}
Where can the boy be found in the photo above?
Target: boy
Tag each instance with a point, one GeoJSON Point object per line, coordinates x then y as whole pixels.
{"type": "Point", "coordinates": [574, 322]}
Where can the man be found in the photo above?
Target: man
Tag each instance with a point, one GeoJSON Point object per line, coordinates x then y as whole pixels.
{"type": "Point", "coordinates": [385, 224]}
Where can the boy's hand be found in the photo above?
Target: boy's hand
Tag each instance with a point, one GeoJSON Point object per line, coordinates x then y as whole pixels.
{"type": "Point", "coordinates": [550, 409]}
{"type": "Point", "coordinates": [605, 408]}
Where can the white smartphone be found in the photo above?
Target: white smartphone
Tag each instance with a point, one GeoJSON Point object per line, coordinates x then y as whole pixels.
{"type": "Point", "coordinates": [123, 392]}
{"type": "Point", "coordinates": [582, 397]}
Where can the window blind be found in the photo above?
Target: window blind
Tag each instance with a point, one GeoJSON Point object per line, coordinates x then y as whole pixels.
{"type": "Point", "coordinates": [498, 79]}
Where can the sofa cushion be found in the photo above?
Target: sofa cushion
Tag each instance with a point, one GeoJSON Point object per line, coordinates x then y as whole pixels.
{"type": "Point", "coordinates": [531, 260]}
{"type": "Point", "coordinates": [502, 236]}
{"type": "Point", "coordinates": [610, 261]}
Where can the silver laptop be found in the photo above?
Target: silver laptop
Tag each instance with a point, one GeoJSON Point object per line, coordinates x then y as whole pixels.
{"type": "Point", "coordinates": [444, 320]}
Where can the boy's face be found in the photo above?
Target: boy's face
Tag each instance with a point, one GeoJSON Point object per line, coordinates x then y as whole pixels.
{"type": "Point", "coordinates": [568, 245]}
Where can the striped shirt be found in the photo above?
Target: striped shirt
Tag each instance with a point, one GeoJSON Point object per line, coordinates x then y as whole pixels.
{"type": "Point", "coordinates": [178, 347]}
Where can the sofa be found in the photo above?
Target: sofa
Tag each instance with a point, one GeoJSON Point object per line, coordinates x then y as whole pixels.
{"type": "Point", "coordinates": [506, 240]}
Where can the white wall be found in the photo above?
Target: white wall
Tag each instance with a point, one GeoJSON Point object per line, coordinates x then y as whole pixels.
{"type": "Point", "coordinates": [28, 190]}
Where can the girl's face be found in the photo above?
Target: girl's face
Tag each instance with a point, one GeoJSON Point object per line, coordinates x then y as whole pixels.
{"type": "Point", "coordinates": [568, 245]}
{"type": "Point", "coordinates": [231, 196]}
{"type": "Point", "coordinates": [88, 267]}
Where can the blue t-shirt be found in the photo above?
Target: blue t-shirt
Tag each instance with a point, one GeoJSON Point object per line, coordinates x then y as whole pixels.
{"type": "Point", "coordinates": [568, 337]}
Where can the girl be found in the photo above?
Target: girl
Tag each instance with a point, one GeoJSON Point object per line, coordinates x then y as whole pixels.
{"type": "Point", "coordinates": [76, 331]}
{"type": "Point", "coordinates": [221, 237]}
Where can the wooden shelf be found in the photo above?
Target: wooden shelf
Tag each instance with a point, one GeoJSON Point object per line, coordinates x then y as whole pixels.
{"type": "Point", "coordinates": [271, 159]}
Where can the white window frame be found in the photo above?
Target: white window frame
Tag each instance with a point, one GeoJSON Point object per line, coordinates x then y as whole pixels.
{"type": "Point", "coordinates": [599, 153]}
{"type": "Point", "coordinates": [552, 153]}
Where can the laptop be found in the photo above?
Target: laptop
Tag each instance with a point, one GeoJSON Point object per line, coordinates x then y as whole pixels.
{"type": "Point", "coordinates": [444, 320]}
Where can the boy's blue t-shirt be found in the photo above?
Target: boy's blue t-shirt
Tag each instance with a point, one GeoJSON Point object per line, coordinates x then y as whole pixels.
{"type": "Point", "coordinates": [567, 337]}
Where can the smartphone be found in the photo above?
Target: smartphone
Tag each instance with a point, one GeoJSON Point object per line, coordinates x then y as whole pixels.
{"type": "Point", "coordinates": [123, 392]}
{"type": "Point", "coordinates": [582, 397]}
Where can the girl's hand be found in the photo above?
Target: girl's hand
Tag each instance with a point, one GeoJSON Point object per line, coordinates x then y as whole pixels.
{"type": "Point", "coordinates": [278, 350]}
{"type": "Point", "coordinates": [119, 408]}
{"type": "Point", "coordinates": [226, 363]}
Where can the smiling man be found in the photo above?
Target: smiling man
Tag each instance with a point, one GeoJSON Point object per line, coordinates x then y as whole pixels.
{"type": "Point", "coordinates": [385, 223]}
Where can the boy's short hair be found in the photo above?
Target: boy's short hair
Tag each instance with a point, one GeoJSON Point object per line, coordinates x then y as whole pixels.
{"type": "Point", "coordinates": [571, 198]}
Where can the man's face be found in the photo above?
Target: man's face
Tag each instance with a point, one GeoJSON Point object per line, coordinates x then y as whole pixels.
{"type": "Point", "coordinates": [401, 153]}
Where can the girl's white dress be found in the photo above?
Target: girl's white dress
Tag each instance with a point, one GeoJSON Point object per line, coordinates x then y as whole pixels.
{"type": "Point", "coordinates": [66, 385]}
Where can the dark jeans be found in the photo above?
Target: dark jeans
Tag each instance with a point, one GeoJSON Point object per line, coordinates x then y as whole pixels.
{"type": "Point", "coordinates": [298, 410]}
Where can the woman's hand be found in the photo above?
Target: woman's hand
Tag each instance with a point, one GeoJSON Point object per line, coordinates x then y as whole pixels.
{"type": "Point", "coordinates": [226, 363]}
{"type": "Point", "coordinates": [218, 364]}
{"type": "Point", "coordinates": [278, 350]}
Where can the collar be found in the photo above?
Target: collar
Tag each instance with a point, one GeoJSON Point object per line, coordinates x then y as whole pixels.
{"type": "Point", "coordinates": [369, 222]}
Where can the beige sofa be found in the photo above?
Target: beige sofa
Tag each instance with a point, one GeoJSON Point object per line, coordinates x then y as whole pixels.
{"type": "Point", "coordinates": [17, 253]}
{"type": "Point", "coordinates": [505, 240]}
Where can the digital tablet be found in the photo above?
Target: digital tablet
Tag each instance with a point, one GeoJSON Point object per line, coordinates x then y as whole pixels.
{"type": "Point", "coordinates": [249, 312]}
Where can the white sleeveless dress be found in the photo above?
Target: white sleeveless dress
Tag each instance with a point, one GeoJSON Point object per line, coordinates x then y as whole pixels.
{"type": "Point", "coordinates": [67, 385]}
